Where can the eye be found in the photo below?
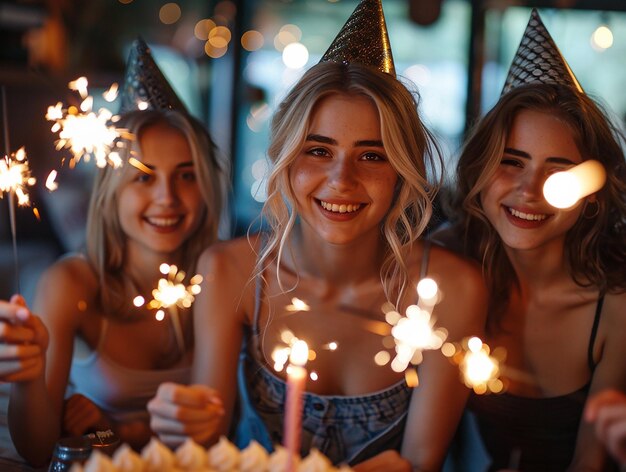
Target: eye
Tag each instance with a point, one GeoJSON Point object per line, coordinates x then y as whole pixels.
{"type": "Point", "coordinates": [187, 176]}
{"type": "Point", "coordinates": [511, 161]}
{"type": "Point", "coordinates": [373, 157]}
{"type": "Point", "coordinates": [318, 152]}
{"type": "Point", "coordinates": [142, 177]}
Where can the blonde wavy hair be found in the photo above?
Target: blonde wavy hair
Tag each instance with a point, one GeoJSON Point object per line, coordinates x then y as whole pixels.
{"type": "Point", "coordinates": [106, 242]}
{"type": "Point", "coordinates": [410, 149]}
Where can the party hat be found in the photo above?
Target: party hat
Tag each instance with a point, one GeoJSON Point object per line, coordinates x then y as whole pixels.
{"type": "Point", "coordinates": [144, 83]}
{"type": "Point", "coordinates": [363, 39]}
{"type": "Point", "coordinates": [538, 60]}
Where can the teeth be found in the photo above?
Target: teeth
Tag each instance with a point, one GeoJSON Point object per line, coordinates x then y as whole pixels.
{"type": "Point", "coordinates": [343, 208]}
{"type": "Point", "coordinates": [163, 222]}
{"type": "Point", "coordinates": [527, 216]}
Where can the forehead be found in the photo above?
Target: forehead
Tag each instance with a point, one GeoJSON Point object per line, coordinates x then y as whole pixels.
{"type": "Point", "coordinates": [160, 142]}
{"type": "Point", "coordinates": [345, 112]}
{"type": "Point", "coordinates": [539, 133]}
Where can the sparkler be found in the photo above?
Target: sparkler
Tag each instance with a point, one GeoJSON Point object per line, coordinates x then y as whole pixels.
{"type": "Point", "coordinates": [14, 177]}
{"type": "Point", "coordinates": [480, 369]}
{"type": "Point", "coordinates": [416, 331]}
{"type": "Point", "coordinates": [171, 294]}
{"type": "Point", "coordinates": [84, 132]}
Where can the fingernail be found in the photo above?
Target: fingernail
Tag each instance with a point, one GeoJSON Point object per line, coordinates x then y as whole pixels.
{"type": "Point", "coordinates": [22, 313]}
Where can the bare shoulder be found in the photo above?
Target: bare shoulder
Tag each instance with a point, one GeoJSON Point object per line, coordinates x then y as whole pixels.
{"type": "Point", "coordinates": [454, 269]}
{"type": "Point", "coordinates": [614, 311]}
{"type": "Point", "coordinates": [65, 286]}
{"type": "Point", "coordinates": [237, 255]}
{"type": "Point", "coordinates": [463, 304]}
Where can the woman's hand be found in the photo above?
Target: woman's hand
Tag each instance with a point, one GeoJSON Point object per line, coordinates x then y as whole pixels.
{"type": "Point", "coordinates": [180, 411]}
{"type": "Point", "coordinates": [81, 416]}
{"type": "Point", "coordinates": [23, 342]}
{"type": "Point", "coordinates": [389, 461]}
{"type": "Point", "coordinates": [607, 410]}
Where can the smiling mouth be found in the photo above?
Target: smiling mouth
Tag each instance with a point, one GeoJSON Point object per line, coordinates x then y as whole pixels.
{"type": "Point", "coordinates": [526, 216]}
{"type": "Point", "coordinates": [342, 208]}
{"type": "Point", "coordinates": [168, 222]}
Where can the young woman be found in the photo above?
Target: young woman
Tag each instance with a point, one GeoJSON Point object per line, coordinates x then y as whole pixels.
{"type": "Point", "coordinates": [163, 207]}
{"type": "Point", "coordinates": [556, 277]}
{"type": "Point", "coordinates": [348, 199]}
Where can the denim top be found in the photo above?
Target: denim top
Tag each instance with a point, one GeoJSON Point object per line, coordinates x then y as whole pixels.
{"type": "Point", "coordinates": [347, 429]}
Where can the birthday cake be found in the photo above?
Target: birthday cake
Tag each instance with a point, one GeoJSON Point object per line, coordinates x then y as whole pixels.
{"type": "Point", "coordinates": [191, 457]}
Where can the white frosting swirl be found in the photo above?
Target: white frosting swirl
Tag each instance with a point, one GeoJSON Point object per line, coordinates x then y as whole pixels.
{"type": "Point", "coordinates": [224, 456]}
{"type": "Point", "coordinates": [127, 460]}
{"type": "Point", "coordinates": [254, 458]}
{"type": "Point", "coordinates": [190, 455]}
{"type": "Point", "coordinates": [157, 457]}
{"type": "Point", "coordinates": [278, 460]}
{"type": "Point", "coordinates": [315, 462]}
{"type": "Point", "coordinates": [99, 462]}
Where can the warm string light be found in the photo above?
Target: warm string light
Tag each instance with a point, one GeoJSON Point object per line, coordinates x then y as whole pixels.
{"type": "Point", "coordinates": [84, 132]}
{"type": "Point", "coordinates": [171, 293]}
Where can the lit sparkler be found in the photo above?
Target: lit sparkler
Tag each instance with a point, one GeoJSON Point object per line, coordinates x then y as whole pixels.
{"type": "Point", "coordinates": [15, 176]}
{"type": "Point", "coordinates": [171, 293]}
{"type": "Point", "coordinates": [84, 132]}
{"type": "Point", "coordinates": [480, 369]}
{"type": "Point", "coordinates": [415, 332]}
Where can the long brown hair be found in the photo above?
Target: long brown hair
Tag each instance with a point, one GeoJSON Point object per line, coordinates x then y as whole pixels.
{"type": "Point", "coordinates": [595, 247]}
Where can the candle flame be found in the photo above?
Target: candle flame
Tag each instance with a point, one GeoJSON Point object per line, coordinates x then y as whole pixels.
{"type": "Point", "coordinates": [299, 353]}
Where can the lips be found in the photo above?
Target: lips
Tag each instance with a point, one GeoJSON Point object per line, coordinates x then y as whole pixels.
{"type": "Point", "coordinates": [164, 222]}
{"type": "Point", "coordinates": [340, 207]}
{"type": "Point", "coordinates": [527, 216]}
{"type": "Point", "coordinates": [525, 219]}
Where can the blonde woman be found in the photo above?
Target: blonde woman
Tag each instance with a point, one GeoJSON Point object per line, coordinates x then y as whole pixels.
{"type": "Point", "coordinates": [87, 336]}
{"type": "Point", "coordinates": [348, 200]}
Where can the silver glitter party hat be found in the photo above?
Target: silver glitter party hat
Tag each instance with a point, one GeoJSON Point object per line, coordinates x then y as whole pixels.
{"type": "Point", "coordinates": [538, 60]}
{"type": "Point", "coordinates": [145, 83]}
{"type": "Point", "coordinates": [363, 39]}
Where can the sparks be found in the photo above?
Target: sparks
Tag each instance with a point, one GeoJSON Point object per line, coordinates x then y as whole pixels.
{"type": "Point", "coordinates": [415, 332]}
{"type": "Point", "coordinates": [81, 130]}
{"type": "Point", "coordinates": [15, 176]}
{"type": "Point", "coordinates": [172, 292]}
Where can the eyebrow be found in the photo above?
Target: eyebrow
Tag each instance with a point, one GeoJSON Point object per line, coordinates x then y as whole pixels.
{"type": "Point", "coordinates": [553, 159]}
{"type": "Point", "coordinates": [149, 168]}
{"type": "Point", "coordinates": [326, 140]}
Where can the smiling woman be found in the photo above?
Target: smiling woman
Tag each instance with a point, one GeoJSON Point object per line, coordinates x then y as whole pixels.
{"type": "Point", "coordinates": [348, 198]}
{"type": "Point", "coordinates": [556, 276]}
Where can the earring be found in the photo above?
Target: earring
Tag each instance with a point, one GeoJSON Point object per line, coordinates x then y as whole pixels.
{"type": "Point", "coordinates": [595, 211]}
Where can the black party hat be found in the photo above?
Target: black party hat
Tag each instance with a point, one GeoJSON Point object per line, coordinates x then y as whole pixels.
{"type": "Point", "coordinates": [144, 83]}
{"type": "Point", "coordinates": [363, 39]}
{"type": "Point", "coordinates": [538, 60]}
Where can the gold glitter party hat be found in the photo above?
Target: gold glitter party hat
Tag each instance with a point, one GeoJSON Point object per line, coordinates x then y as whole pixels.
{"type": "Point", "coordinates": [538, 60]}
{"type": "Point", "coordinates": [363, 39]}
{"type": "Point", "coordinates": [145, 83]}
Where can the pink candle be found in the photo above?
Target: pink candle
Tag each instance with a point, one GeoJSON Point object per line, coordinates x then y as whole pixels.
{"type": "Point", "coordinates": [296, 381]}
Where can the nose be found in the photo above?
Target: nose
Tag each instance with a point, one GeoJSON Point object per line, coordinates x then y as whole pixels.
{"type": "Point", "coordinates": [342, 175]}
{"type": "Point", "coordinates": [530, 184]}
{"type": "Point", "coordinates": [164, 192]}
